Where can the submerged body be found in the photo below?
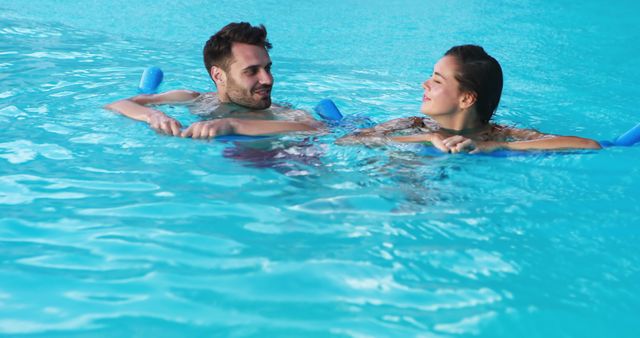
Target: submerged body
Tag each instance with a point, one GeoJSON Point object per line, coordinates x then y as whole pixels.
{"type": "Point", "coordinates": [209, 106]}
{"type": "Point", "coordinates": [486, 138]}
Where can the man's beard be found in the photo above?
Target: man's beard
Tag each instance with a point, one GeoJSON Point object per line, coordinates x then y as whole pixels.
{"type": "Point", "coordinates": [244, 97]}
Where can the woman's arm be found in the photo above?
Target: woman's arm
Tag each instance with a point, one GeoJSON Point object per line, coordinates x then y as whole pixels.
{"type": "Point", "coordinates": [524, 140]}
{"type": "Point", "coordinates": [549, 142]}
{"type": "Point", "coordinates": [376, 134]}
{"type": "Point", "coordinates": [391, 126]}
{"type": "Point", "coordinates": [435, 139]}
{"type": "Point", "coordinates": [530, 139]}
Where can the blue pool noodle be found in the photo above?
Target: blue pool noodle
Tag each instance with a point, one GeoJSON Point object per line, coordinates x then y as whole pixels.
{"type": "Point", "coordinates": [240, 138]}
{"type": "Point", "coordinates": [150, 80]}
{"type": "Point", "coordinates": [328, 110]}
{"type": "Point", "coordinates": [629, 138]}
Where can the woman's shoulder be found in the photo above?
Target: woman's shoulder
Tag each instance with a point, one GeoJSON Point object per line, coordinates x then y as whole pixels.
{"type": "Point", "coordinates": [412, 123]}
{"type": "Point", "coordinates": [427, 123]}
{"type": "Point", "coordinates": [511, 133]}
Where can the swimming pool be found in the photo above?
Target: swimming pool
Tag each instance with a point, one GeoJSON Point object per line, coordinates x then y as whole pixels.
{"type": "Point", "coordinates": [107, 229]}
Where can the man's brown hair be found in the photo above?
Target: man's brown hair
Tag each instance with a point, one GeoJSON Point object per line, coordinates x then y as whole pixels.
{"type": "Point", "coordinates": [217, 50]}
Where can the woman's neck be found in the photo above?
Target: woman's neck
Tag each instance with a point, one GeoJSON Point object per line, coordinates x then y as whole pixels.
{"type": "Point", "coordinates": [461, 124]}
{"type": "Point", "coordinates": [466, 131]}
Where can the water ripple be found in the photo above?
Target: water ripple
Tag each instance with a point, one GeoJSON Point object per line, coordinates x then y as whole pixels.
{"type": "Point", "coordinates": [183, 210]}
{"type": "Point", "coordinates": [120, 230]}
{"type": "Point", "coordinates": [23, 151]}
{"type": "Point", "coordinates": [13, 191]}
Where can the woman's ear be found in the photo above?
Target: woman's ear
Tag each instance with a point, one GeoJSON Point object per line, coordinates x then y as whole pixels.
{"type": "Point", "coordinates": [468, 99]}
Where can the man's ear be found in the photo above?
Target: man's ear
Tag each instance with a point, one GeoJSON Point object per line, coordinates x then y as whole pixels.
{"type": "Point", "coordinates": [218, 75]}
{"type": "Point", "coordinates": [468, 99]}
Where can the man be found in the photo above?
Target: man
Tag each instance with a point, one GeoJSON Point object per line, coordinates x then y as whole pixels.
{"type": "Point", "coordinates": [238, 62]}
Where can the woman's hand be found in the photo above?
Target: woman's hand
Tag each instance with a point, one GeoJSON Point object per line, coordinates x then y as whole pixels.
{"type": "Point", "coordinates": [461, 144]}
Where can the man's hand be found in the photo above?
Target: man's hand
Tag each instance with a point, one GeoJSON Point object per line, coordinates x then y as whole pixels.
{"type": "Point", "coordinates": [135, 108]}
{"type": "Point", "coordinates": [210, 129]}
{"type": "Point", "coordinates": [164, 124]}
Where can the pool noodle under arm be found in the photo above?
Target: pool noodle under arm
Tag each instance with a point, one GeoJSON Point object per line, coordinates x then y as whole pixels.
{"type": "Point", "coordinates": [326, 107]}
{"type": "Point", "coordinates": [150, 80]}
{"type": "Point", "coordinates": [328, 110]}
{"type": "Point", "coordinates": [631, 137]}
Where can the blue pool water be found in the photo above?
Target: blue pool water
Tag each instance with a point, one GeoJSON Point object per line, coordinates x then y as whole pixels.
{"type": "Point", "coordinates": [109, 230]}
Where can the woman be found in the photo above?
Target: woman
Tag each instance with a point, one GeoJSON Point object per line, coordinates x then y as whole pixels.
{"type": "Point", "coordinates": [460, 98]}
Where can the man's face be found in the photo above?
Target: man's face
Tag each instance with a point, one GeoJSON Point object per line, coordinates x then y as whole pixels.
{"type": "Point", "coordinates": [249, 78]}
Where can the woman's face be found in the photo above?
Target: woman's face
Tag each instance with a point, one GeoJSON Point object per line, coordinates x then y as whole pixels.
{"type": "Point", "coordinates": [442, 95]}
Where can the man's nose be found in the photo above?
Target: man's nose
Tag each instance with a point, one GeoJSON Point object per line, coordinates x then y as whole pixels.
{"type": "Point", "coordinates": [265, 77]}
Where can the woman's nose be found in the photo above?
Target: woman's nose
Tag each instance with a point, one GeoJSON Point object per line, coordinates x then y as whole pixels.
{"type": "Point", "coordinates": [425, 84]}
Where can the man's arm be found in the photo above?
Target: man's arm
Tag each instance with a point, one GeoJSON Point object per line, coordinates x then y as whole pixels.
{"type": "Point", "coordinates": [226, 126]}
{"type": "Point", "coordinates": [134, 107]}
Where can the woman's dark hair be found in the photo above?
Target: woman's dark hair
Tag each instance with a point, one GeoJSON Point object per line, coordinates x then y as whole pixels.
{"type": "Point", "coordinates": [481, 74]}
{"type": "Point", "coordinates": [217, 51]}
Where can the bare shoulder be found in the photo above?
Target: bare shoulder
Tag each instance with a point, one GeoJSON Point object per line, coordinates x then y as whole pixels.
{"type": "Point", "coordinates": [517, 134]}
{"type": "Point", "coordinates": [300, 115]}
{"type": "Point", "coordinates": [281, 112]}
{"type": "Point", "coordinates": [172, 96]}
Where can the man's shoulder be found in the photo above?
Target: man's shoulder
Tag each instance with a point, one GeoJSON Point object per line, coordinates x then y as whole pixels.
{"type": "Point", "coordinates": [178, 95]}
{"type": "Point", "coordinates": [287, 112]}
